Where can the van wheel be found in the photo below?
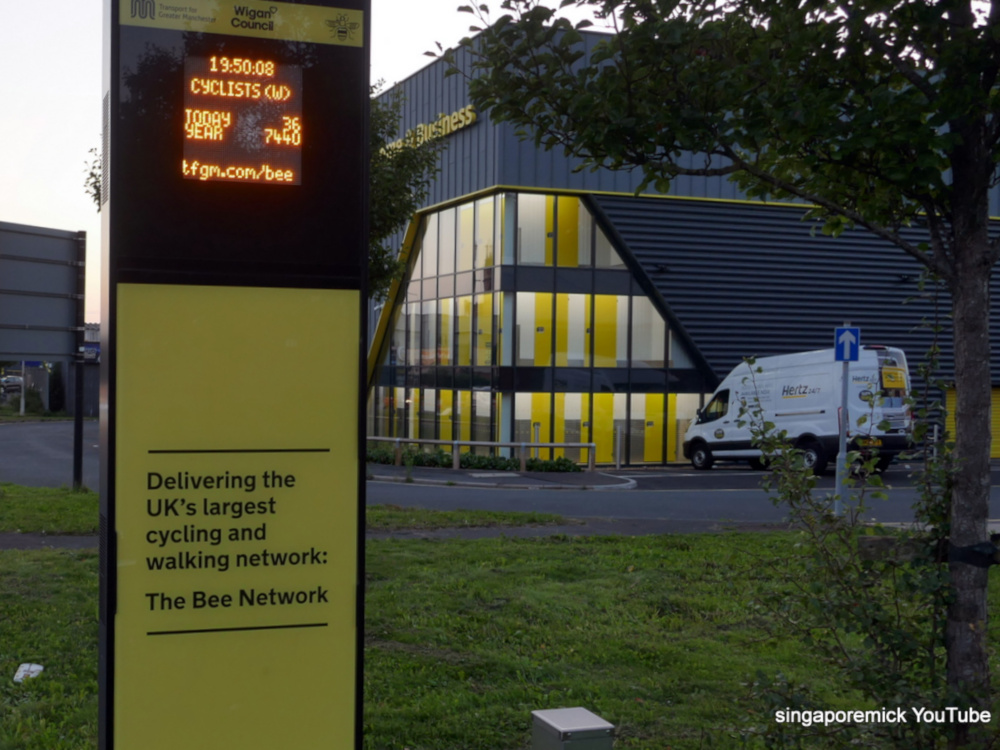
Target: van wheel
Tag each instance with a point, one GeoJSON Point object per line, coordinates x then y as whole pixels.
{"type": "Point", "coordinates": [813, 457]}
{"type": "Point", "coordinates": [701, 457]}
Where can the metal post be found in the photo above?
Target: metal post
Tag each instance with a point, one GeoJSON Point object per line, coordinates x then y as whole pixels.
{"type": "Point", "coordinates": [618, 448]}
{"type": "Point", "coordinates": [80, 359]}
{"type": "Point", "coordinates": [842, 445]}
{"type": "Point", "coordinates": [24, 385]}
{"type": "Point", "coordinates": [523, 456]}
{"type": "Point", "coordinates": [456, 458]}
{"type": "Point", "coordinates": [537, 427]}
{"type": "Point", "coordinates": [78, 422]}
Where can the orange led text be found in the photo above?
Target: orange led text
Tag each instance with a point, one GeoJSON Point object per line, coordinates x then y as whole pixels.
{"type": "Point", "coordinates": [289, 135]}
{"type": "Point", "coordinates": [206, 124]}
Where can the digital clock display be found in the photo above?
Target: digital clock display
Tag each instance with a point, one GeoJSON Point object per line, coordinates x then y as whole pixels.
{"type": "Point", "coordinates": [242, 121]}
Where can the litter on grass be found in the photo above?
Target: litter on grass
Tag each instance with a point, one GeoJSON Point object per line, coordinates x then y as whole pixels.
{"type": "Point", "coordinates": [27, 670]}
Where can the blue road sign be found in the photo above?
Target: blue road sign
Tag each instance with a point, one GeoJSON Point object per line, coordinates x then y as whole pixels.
{"type": "Point", "coordinates": [846, 344]}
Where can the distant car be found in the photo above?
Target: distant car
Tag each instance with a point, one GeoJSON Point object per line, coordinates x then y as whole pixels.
{"type": "Point", "coordinates": [11, 383]}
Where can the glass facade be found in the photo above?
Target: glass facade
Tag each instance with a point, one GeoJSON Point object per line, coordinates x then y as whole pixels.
{"type": "Point", "coordinates": [520, 322]}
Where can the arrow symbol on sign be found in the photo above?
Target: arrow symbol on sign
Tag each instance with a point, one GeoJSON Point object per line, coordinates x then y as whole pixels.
{"type": "Point", "coordinates": [847, 341]}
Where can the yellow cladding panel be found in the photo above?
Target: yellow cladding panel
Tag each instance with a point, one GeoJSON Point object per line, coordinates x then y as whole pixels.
{"type": "Point", "coordinates": [569, 231]}
{"type": "Point", "coordinates": [671, 426]}
{"type": "Point", "coordinates": [994, 419]}
{"type": "Point", "coordinates": [444, 414]}
{"type": "Point", "coordinates": [540, 411]}
{"type": "Point", "coordinates": [236, 527]}
{"type": "Point", "coordinates": [605, 327]}
{"type": "Point", "coordinates": [464, 331]}
{"type": "Point", "coordinates": [465, 415]}
{"type": "Point", "coordinates": [654, 428]}
{"type": "Point", "coordinates": [604, 426]}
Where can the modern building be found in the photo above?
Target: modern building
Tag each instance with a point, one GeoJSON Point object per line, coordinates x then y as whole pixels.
{"type": "Point", "coordinates": [548, 303]}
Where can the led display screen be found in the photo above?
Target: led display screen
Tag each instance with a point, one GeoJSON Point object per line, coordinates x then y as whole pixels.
{"type": "Point", "coordinates": [241, 155]}
{"type": "Point", "coordinates": [242, 120]}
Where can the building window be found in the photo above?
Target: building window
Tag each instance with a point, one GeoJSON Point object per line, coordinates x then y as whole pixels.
{"type": "Point", "coordinates": [605, 255]}
{"type": "Point", "coordinates": [534, 229]}
{"type": "Point", "coordinates": [649, 334]}
{"type": "Point", "coordinates": [446, 242]}
{"type": "Point", "coordinates": [477, 332]}
{"type": "Point", "coordinates": [485, 323]}
{"type": "Point", "coordinates": [485, 235]}
{"type": "Point", "coordinates": [463, 323]}
{"type": "Point", "coordinates": [446, 332]}
{"type": "Point", "coordinates": [429, 248]}
{"type": "Point", "coordinates": [428, 414]}
{"type": "Point", "coordinates": [466, 237]}
{"type": "Point", "coordinates": [534, 329]}
{"type": "Point", "coordinates": [573, 330]}
{"type": "Point", "coordinates": [413, 348]}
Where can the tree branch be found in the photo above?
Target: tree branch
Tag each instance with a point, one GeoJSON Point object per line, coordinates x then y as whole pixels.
{"type": "Point", "coordinates": [932, 262]}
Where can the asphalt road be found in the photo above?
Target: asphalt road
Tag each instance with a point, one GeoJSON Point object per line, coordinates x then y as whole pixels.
{"type": "Point", "coordinates": [674, 493]}
{"type": "Point", "coordinates": [40, 454]}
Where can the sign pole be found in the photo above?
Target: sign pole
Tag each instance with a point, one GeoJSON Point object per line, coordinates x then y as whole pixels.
{"type": "Point", "coordinates": [847, 349]}
{"type": "Point", "coordinates": [838, 491]}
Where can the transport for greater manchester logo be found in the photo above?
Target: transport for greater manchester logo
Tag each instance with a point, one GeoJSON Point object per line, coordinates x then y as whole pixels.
{"type": "Point", "coordinates": [143, 8]}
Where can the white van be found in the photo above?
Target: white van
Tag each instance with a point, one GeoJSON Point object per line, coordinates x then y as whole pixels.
{"type": "Point", "coordinates": [801, 394]}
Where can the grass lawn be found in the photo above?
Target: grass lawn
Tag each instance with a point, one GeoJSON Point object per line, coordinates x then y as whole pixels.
{"type": "Point", "coordinates": [463, 639]}
{"type": "Point", "coordinates": [47, 510]}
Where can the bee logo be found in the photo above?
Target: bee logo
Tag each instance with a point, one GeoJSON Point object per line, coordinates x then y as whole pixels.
{"type": "Point", "coordinates": [342, 28]}
{"type": "Point", "coordinates": [143, 8]}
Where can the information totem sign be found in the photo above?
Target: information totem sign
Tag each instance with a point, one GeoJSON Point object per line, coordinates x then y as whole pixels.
{"type": "Point", "coordinates": [232, 495]}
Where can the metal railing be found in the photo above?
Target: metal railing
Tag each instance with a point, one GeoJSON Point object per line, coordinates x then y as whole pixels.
{"type": "Point", "coordinates": [522, 452]}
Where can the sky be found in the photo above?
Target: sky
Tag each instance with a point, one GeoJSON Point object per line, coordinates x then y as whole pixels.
{"type": "Point", "coordinates": [51, 90]}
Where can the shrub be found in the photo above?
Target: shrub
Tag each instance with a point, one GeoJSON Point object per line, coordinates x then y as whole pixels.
{"type": "Point", "coordinates": [495, 463]}
{"type": "Point", "coordinates": [560, 464]}
{"type": "Point", "coordinates": [380, 455]}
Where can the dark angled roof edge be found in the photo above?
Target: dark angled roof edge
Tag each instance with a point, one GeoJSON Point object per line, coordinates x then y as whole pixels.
{"type": "Point", "coordinates": [639, 273]}
{"type": "Point", "coordinates": [734, 293]}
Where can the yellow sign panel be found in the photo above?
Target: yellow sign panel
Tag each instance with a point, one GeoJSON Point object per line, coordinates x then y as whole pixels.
{"type": "Point", "coordinates": [264, 20]}
{"type": "Point", "coordinates": [236, 504]}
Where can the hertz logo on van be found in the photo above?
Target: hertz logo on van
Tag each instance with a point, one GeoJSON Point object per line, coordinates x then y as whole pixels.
{"type": "Point", "coordinates": [798, 391]}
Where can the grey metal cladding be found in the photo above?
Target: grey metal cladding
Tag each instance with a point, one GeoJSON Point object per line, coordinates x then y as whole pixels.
{"type": "Point", "coordinates": [743, 279]}
{"type": "Point", "coordinates": [469, 161]}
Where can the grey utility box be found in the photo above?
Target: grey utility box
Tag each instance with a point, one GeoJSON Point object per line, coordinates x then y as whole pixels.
{"type": "Point", "coordinates": [570, 729]}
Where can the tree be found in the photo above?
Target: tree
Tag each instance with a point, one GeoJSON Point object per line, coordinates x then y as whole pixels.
{"type": "Point", "coordinates": [878, 113]}
{"type": "Point", "coordinates": [400, 173]}
{"type": "Point", "coordinates": [399, 176]}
